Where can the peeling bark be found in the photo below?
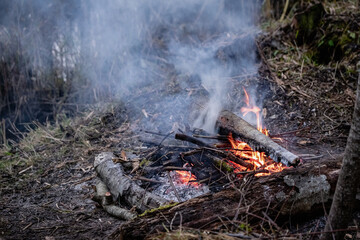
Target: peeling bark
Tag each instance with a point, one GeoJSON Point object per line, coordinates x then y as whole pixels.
{"type": "Point", "coordinates": [105, 200]}
{"type": "Point", "coordinates": [121, 185]}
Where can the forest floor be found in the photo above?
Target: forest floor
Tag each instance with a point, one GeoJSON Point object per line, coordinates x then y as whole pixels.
{"type": "Point", "coordinates": [47, 179]}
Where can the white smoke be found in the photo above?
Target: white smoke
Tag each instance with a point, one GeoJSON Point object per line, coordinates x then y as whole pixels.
{"type": "Point", "coordinates": [125, 45]}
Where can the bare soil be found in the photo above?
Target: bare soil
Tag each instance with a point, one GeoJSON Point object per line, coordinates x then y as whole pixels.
{"type": "Point", "coordinates": [47, 183]}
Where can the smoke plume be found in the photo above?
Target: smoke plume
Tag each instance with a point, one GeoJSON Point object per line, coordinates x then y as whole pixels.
{"type": "Point", "coordinates": [166, 52]}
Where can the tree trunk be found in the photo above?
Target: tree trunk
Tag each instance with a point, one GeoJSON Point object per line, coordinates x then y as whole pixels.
{"type": "Point", "coordinates": [348, 182]}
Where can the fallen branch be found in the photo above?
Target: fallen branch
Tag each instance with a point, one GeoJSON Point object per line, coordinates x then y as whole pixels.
{"type": "Point", "coordinates": [104, 198]}
{"type": "Point", "coordinates": [119, 212]}
{"type": "Point", "coordinates": [121, 185]}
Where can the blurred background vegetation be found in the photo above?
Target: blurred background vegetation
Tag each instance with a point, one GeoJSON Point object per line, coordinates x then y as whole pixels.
{"type": "Point", "coordinates": [43, 61]}
{"type": "Point", "coordinates": [46, 57]}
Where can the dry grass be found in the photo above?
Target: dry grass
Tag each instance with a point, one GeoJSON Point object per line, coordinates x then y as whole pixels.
{"type": "Point", "coordinates": [75, 136]}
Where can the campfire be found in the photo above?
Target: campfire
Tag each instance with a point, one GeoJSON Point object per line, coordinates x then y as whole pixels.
{"type": "Point", "coordinates": [256, 160]}
{"type": "Point", "coordinates": [204, 162]}
{"type": "Point", "coordinates": [173, 132]}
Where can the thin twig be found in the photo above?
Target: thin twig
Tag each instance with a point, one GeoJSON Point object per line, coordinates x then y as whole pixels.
{"type": "Point", "coordinates": [288, 133]}
{"type": "Point", "coordinates": [147, 179]}
{"type": "Point", "coordinates": [191, 152]}
{"type": "Point", "coordinates": [172, 168]}
{"type": "Point", "coordinates": [173, 187]}
{"type": "Point", "coordinates": [193, 140]}
{"type": "Point", "coordinates": [271, 221]}
{"type": "Point", "coordinates": [318, 233]}
{"type": "Point", "coordinates": [155, 133]}
{"type": "Point", "coordinates": [218, 137]}
{"type": "Point", "coordinates": [313, 158]}
{"type": "Point", "coordinates": [165, 137]}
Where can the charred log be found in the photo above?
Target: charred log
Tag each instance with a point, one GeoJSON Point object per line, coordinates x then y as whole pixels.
{"type": "Point", "coordinates": [193, 140]}
{"type": "Point", "coordinates": [208, 148]}
{"type": "Point", "coordinates": [232, 157]}
{"type": "Point", "coordinates": [228, 122]}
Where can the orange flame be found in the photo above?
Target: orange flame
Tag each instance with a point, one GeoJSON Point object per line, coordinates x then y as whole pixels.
{"type": "Point", "coordinates": [243, 150]}
{"type": "Point", "coordinates": [185, 177]}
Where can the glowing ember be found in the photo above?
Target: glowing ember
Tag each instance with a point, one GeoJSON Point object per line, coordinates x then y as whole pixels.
{"type": "Point", "coordinates": [185, 177]}
{"type": "Point", "coordinates": [244, 151]}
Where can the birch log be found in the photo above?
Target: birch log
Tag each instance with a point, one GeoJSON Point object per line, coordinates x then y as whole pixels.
{"type": "Point", "coordinates": [121, 185]}
{"type": "Point", "coordinates": [229, 122]}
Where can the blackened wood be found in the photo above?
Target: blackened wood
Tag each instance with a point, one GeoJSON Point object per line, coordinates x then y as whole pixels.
{"type": "Point", "coordinates": [229, 155]}
{"type": "Point", "coordinates": [228, 122]}
{"type": "Point", "coordinates": [175, 168]}
{"type": "Point", "coordinates": [226, 154]}
{"type": "Point", "coordinates": [193, 140]}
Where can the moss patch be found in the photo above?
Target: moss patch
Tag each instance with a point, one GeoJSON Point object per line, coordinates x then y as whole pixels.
{"type": "Point", "coordinates": [170, 205]}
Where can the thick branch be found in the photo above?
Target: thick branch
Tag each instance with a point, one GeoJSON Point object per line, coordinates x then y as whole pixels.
{"type": "Point", "coordinates": [121, 185]}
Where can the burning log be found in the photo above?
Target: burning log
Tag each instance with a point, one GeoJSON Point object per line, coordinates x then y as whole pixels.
{"type": "Point", "coordinates": [228, 122]}
{"type": "Point", "coordinates": [232, 157]}
{"type": "Point", "coordinates": [224, 154]}
{"type": "Point", "coordinates": [121, 185]}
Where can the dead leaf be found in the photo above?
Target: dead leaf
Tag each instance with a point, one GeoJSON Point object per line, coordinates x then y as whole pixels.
{"type": "Point", "coordinates": [304, 142]}
{"type": "Point", "coordinates": [123, 155]}
{"type": "Point", "coordinates": [348, 236]}
{"type": "Point", "coordinates": [350, 93]}
{"type": "Point", "coordinates": [135, 164]}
